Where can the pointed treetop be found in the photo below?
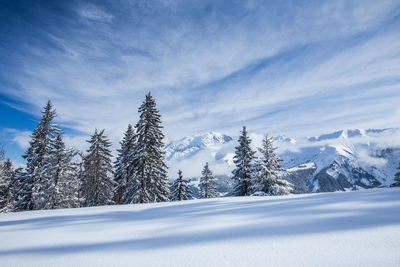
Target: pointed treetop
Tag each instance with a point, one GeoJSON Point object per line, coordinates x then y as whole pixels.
{"type": "Point", "coordinates": [48, 111]}
{"type": "Point", "coordinates": [130, 127]}
{"type": "Point", "coordinates": [49, 105]}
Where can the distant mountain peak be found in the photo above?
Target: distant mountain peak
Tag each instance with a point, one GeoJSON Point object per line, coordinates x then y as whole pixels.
{"type": "Point", "coordinates": [188, 146]}
{"type": "Point", "coordinates": [346, 133]}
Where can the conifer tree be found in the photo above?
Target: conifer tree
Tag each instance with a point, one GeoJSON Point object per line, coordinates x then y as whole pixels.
{"type": "Point", "coordinates": [396, 178]}
{"type": "Point", "coordinates": [80, 177]}
{"type": "Point", "coordinates": [244, 172]}
{"type": "Point", "coordinates": [32, 183]}
{"type": "Point", "coordinates": [270, 179]}
{"type": "Point", "coordinates": [23, 191]}
{"type": "Point", "coordinates": [148, 181]}
{"type": "Point", "coordinates": [7, 176]}
{"type": "Point", "coordinates": [4, 181]}
{"type": "Point", "coordinates": [97, 184]}
{"type": "Point", "coordinates": [208, 184]}
{"type": "Point", "coordinates": [123, 165]}
{"type": "Point", "coordinates": [61, 174]}
{"type": "Point", "coordinates": [180, 189]}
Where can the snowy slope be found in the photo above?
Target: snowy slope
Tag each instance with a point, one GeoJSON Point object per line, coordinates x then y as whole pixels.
{"type": "Point", "coordinates": [342, 160]}
{"type": "Point", "coordinates": [360, 228]}
{"type": "Point", "coordinates": [347, 159]}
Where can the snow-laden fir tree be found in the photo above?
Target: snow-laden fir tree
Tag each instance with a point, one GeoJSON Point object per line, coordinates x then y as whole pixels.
{"type": "Point", "coordinates": [98, 184]}
{"type": "Point", "coordinates": [7, 176]}
{"type": "Point", "coordinates": [244, 160]}
{"type": "Point", "coordinates": [396, 178]}
{"type": "Point", "coordinates": [80, 176]}
{"type": "Point", "coordinates": [61, 174]}
{"type": "Point", "coordinates": [23, 191]}
{"type": "Point", "coordinates": [180, 189]}
{"type": "Point", "coordinates": [123, 165]}
{"type": "Point", "coordinates": [270, 179]}
{"type": "Point", "coordinates": [148, 181]}
{"type": "Point", "coordinates": [208, 184]}
{"type": "Point", "coordinates": [4, 181]}
{"type": "Point", "coordinates": [13, 186]}
{"type": "Point", "coordinates": [32, 189]}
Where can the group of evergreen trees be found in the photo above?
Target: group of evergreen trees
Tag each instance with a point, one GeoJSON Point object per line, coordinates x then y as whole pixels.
{"type": "Point", "coordinates": [258, 176]}
{"type": "Point", "coordinates": [141, 172]}
{"type": "Point", "coordinates": [50, 179]}
{"type": "Point", "coordinates": [59, 177]}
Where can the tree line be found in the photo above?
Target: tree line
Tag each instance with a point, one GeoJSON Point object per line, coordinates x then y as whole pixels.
{"type": "Point", "coordinates": [56, 176]}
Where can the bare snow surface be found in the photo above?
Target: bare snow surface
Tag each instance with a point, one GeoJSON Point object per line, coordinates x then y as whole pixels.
{"type": "Point", "coordinates": [360, 228]}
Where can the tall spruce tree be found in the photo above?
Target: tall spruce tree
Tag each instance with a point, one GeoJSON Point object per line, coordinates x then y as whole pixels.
{"type": "Point", "coordinates": [396, 178]}
{"type": "Point", "coordinates": [4, 181]}
{"type": "Point", "coordinates": [244, 160]}
{"type": "Point", "coordinates": [123, 165]}
{"type": "Point", "coordinates": [180, 189]}
{"type": "Point", "coordinates": [97, 184]}
{"type": "Point", "coordinates": [61, 173]}
{"type": "Point", "coordinates": [23, 191]}
{"type": "Point", "coordinates": [208, 184]}
{"type": "Point", "coordinates": [148, 182]}
{"type": "Point", "coordinates": [81, 178]}
{"type": "Point", "coordinates": [31, 194]}
{"type": "Point", "coordinates": [7, 176]}
{"type": "Point", "coordinates": [11, 173]}
{"type": "Point", "coordinates": [270, 178]}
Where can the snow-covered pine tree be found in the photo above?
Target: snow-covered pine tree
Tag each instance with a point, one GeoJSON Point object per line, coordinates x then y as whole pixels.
{"type": "Point", "coordinates": [270, 179]}
{"type": "Point", "coordinates": [148, 181]}
{"type": "Point", "coordinates": [7, 176]}
{"type": "Point", "coordinates": [4, 181]}
{"type": "Point", "coordinates": [208, 184]}
{"type": "Point", "coordinates": [180, 189]}
{"type": "Point", "coordinates": [97, 184]}
{"type": "Point", "coordinates": [123, 165]}
{"type": "Point", "coordinates": [31, 194]}
{"type": "Point", "coordinates": [244, 160]}
{"type": "Point", "coordinates": [396, 178]}
{"type": "Point", "coordinates": [23, 191]}
{"type": "Point", "coordinates": [61, 173]}
{"type": "Point", "coordinates": [80, 177]}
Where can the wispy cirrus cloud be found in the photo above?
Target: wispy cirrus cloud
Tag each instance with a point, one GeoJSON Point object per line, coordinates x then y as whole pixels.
{"type": "Point", "coordinates": [92, 12]}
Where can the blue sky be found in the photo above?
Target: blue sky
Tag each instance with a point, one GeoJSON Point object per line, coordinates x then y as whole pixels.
{"type": "Point", "coordinates": [284, 67]}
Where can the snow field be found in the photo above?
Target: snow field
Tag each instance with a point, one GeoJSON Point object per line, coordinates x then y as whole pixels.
{"type": "Point", "coordinates": [360, 228]}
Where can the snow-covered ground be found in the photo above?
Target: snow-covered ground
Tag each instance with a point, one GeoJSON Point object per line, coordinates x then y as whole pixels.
{"type": "Point", "coordinates": [360, 228]}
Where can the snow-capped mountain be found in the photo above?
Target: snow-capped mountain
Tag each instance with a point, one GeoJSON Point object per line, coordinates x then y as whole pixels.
{"type": "Point", "coordinates": [342, 160]}
{"type": "Point", "coordinates": [346, 159]}
{"type": "Point", "coordinates": [189, 146]}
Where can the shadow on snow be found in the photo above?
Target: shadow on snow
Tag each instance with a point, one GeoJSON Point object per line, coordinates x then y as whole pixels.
{"type": "Point", "coordinates": [259, 218]}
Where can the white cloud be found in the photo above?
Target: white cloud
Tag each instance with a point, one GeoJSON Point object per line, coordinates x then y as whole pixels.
{"type": "Point", "coordinates": [21, 138]}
